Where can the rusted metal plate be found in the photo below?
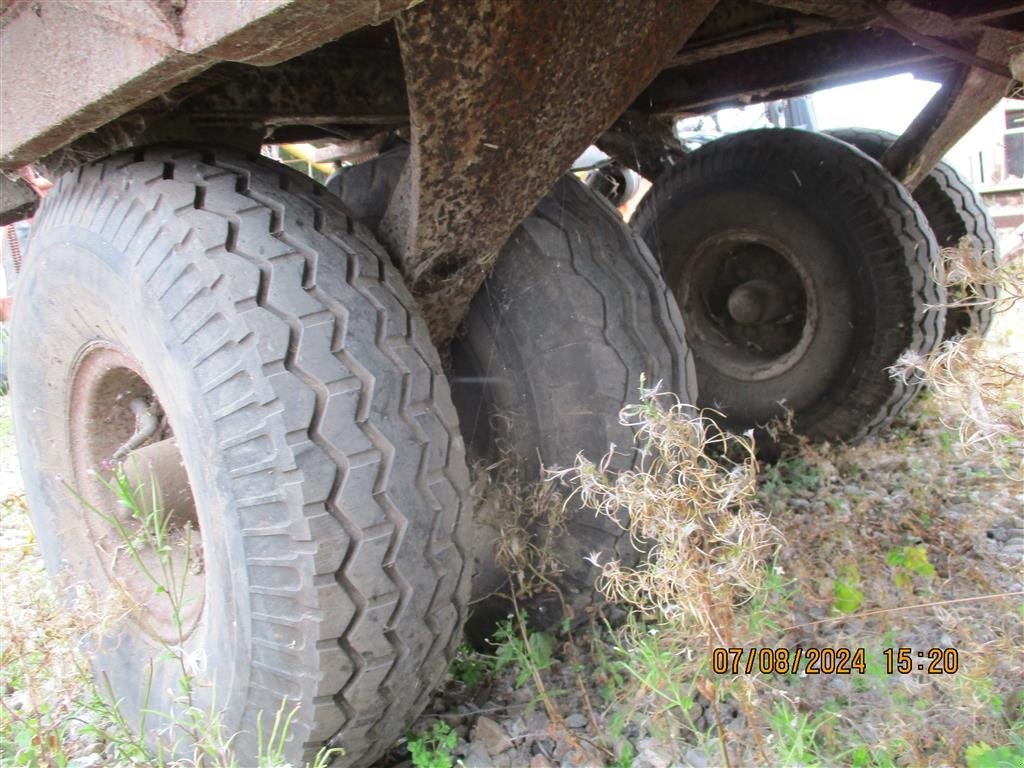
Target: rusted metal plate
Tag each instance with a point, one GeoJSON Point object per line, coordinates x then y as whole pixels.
{"type": "Point", "coordinates": [646, 143]}
{"type": "Point", "coordinates": [502, 97]}
{"type": "Point", "coordinates": [103, 58]}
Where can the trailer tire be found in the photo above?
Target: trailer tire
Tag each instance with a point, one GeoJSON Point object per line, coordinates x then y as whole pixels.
{"type": "Point", "coordinates": [313, 420]}
{"type": "Point", "coordinates": [804, 273]}
{"type": "Point", "coordinates": [366, 188]}
{"type": "Point", "coordinates": [954, 211]}
{"type": "Point", "coordinates": [573, 312]}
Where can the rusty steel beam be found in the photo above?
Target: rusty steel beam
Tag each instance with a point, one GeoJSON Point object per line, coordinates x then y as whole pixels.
{"type": "Point", "coordinates": [945, 20]}
{"type": "Point", "coordinates": [791, 67]}
{"type": "Point", "coordinates": [832, 9]}
{"type": "Point", "coordinates": [963, 99]}
{"type": "Point", "coordinates": [992, 16]}
{"type": "Point", "coordinates": [758, 38]}
{"type": "Point", "coordinates": [502, 97]}
{"type": "Point", "coordinates": [104, 58]}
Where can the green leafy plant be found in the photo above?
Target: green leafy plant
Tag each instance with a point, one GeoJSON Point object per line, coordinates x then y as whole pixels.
{"type": "Point", "coordinates": [981, 755]}
{"type": "Point", "coordinates": [846, 593]}
{"type": "Point", "coordinates": [434, 747]}
{"type": "Point", "coordinates": [529, 652]}
{"type": "Point", "coordinates": [908, 561]}
{"type": "Point", "coordinates": [469, 667]}
{"type": "Point", "coordinates": [795, 734]}
{"type": "Point", "coordinates": [653, 660]}
{"type": "Point", "coordinates": [34, 739]}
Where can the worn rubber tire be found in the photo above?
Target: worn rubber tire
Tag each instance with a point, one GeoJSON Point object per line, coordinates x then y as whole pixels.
{"type": "Point", "coordinates": [313, 418]}
{"type": "Point", "coordinates": [572, 314]}
{"type": "Point", "coordinates": [954, 211]}
{"type": "Point", "coordinates": [366, 188]}
{"type": "Point", "coordinates": [871, 271]}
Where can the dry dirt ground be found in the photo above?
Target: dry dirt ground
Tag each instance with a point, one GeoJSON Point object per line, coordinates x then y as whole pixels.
{"type": "Point", "coordinates": [899, 542]}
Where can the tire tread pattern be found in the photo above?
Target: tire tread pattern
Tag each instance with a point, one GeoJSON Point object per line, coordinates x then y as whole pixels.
{"type": "Point", "coordinates": [954, 210]}
{"type": "Point", "coordinates": [612, 300]}
{"type": "Point", "coordinates": [356, 611]}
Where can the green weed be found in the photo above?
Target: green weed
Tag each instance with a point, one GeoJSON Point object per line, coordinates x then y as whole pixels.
{"type": "Point", "coordinates": [469, 667]}
{"type": "Point", "coordinates": [846, 593]}
{"type": "Point", "coordinates": [435, 747]}
{"type": "Point", "coordinates": [146, 538]}
{"type": "Point", "coordinates": [908, 561]}
{"type": "Point", "coordinates": [527, 652]}
{"type": "Point", "coordinates": [795, 734]}
{"type": "Point", "coordinates": [981, 755]}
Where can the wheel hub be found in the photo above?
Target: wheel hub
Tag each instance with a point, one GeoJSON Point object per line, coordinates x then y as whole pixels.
{"type": "Point", "coordinates": [748, 305]}
{"type": "Point", "coordinates": [138, 502]}
{"type": "Point", "coordinates": [756, 301]}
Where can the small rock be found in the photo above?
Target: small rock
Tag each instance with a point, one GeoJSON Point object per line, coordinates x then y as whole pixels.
{"type": "Point", "coordinates": [516, 728]}
{"type": "Point", "coordinates": [825, 587]}
{"type": "Point", "coordinates": [537, 722]}
{"type": "Point", "coordinates": [696, 758]}
{"type": "Point", "coordinates": [1015, 551]}
{"type": "Point", "coordinates": [543, 746]}
{"type": "Point", "coordinates": [840, 685]}
{"type": "Point", "coordinates": [539, 761]}
{"type": "Point", "coordinates": [800, 505]}
{"type": "Point", "coordinates": [524, 694]}
{"type": "Point", "coordinates": [576, 720]}
{"type": "Point", "coordinates": [561, 751]}
{"type": "Point", "coordinates": [477, 756]}
{"type": "Point", "coordinates": [655, 752]}
{"type": "Point", "coordinates": [999, 534]}
{"type": "Point", "coordinates": [491, 735]}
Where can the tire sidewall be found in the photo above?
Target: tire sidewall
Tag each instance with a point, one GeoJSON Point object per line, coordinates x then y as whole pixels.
{"type": "Point", "coordinates": [72, 296]}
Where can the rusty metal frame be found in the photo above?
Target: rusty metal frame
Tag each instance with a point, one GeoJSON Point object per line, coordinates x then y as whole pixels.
{"type": "Point", "coordinates": [502, 97]}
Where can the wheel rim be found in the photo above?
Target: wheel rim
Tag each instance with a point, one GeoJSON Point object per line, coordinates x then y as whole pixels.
{"type": "Point", "coordinates": [109, 431]}
{"type": "Point", "coordinates": [749, 306]}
